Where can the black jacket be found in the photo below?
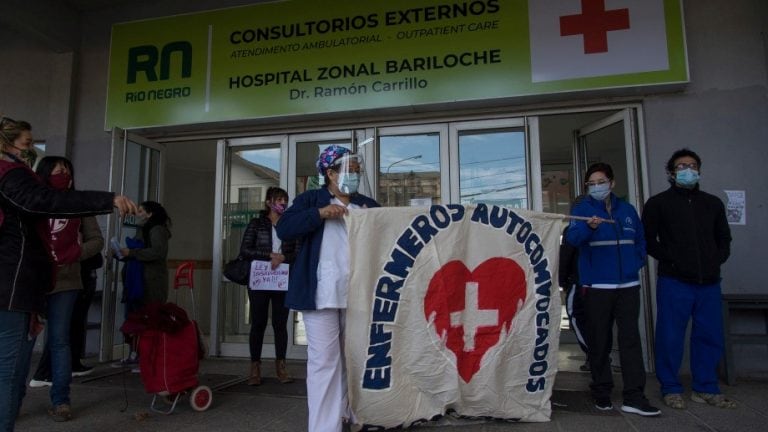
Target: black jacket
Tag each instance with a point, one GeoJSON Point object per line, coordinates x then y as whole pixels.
{"type": "Point", "coordinates": [568, 271]}
{"type": "Point", "coordinates": [26, 266]}
{"type": "Point", "coordinates": [257, 241]}
{"type": "Point", "coordinates": [687, 232]}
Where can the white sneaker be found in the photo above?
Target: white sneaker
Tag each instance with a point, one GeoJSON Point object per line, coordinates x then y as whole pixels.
{"type": "Point", "coordinates": [33, 383]}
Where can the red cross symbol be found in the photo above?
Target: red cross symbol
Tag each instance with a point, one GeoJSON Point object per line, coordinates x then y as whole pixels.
{"type": "Point", "coordinates": [594, 23]}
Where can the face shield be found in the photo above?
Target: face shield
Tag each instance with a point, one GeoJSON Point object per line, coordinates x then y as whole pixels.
{"type": "Point", "coordinates": [351, 178]}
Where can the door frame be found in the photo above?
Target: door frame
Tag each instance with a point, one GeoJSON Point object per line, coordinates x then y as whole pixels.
{"type": "Point", "coordinates": [224, 147]}
{"type": "Point", "coordinates": [634, 153]}
{"type": "Point", "coordinates": [120, 138]}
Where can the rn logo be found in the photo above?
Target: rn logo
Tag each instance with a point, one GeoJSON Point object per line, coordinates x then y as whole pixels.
{"type": "Point", "coordinates": [145, 58]}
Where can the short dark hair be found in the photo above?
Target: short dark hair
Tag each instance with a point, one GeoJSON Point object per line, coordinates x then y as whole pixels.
{"type": "Point", "coordinates": [274, 192]}
{"type": "Point", "coordinates": [47, 164]}
{"type": "Point", "coordinates": [599, 167]}
{"type": "Point", "coordinates": [159, 217]}
{"type": "Point", "coordinates": [683, 152]}
{"type": "Point", "coordinates": [24, 125]}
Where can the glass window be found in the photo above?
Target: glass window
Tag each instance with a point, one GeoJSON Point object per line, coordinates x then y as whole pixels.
{"type": "Point", "coordinates": [252, 170]}
{"type": "Point", "coordinates": [307, 177]}
{"type": "Point", "coordinates": [409, 170]}
{"type": "Point", "coordinates": [492, 168]}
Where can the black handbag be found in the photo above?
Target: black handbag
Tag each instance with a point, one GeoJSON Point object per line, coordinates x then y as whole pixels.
{"type": "Point", "coordinates": [238, 270]}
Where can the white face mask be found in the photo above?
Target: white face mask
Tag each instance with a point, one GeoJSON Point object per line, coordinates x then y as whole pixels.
{"type": "Point", "coordinates": [599, 191]}
{"type": "Point", "coordinates": [687, 178]}
{"type": "Point", "coordinates": [348, 183]}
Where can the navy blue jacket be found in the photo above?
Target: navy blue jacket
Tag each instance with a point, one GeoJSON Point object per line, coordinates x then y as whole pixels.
{"type": "Point", "coordinates": [302, 221]}
{"type": "Point", "coordinates": [614, 252]}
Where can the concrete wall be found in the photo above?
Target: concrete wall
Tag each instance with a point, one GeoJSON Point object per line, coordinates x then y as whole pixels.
{"type": "Point", "coordinates": [723, 116]}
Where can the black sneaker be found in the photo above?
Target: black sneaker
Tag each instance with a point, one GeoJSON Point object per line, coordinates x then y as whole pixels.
{"type": "Point", "coordinates": [642, 408]}
{"type": "Point", "coordinates": [603, 404]}
{"type": "Point", "coordinates": [80, 370]}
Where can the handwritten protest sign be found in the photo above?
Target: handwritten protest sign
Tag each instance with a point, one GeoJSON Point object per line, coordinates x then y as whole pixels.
{"type": "Point", "coordinates": [264, 278]}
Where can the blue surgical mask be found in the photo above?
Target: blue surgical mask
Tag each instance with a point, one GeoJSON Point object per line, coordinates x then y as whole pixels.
{"type": "Point", "coordinates": [600, 191]}
{"type": "Point", "coordinates": [348, 183]}
{"type": "Point", "coordinates": [687, 178]}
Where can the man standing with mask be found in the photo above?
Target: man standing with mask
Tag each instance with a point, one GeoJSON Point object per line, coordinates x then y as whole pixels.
{"type": "Point", "coordinates": [686, 230]}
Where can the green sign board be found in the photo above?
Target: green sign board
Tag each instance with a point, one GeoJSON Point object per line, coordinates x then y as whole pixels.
{"type": "Point", "coordinates": [306, 56]}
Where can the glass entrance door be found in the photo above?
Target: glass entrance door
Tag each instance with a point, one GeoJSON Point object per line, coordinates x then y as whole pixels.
{"type": "Point", "coordinates": [460, 162]}
{"type": "Point", "coordinates": [410, 161]}
{"type": "Point", "coordinates": [613, 140]}
{"type": "Point", "coordinates": [251, 166]}
{"type": "Point", "coordinates": [137, 171]}
{"type": "Point", "coordinates": [489, 163]}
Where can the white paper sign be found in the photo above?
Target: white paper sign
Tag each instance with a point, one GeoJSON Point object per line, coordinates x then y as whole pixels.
{"type": "Point", "coordinates": [264, 278]}
{"type": "Point", "coordinates": [736, 208]}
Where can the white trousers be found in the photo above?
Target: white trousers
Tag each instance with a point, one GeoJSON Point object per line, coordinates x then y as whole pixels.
{"type": "Point", "coordinates": [326, 375]}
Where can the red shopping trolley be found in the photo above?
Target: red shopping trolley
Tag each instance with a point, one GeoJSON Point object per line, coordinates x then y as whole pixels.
{"type": "Point", "coordinates": [170, 350]}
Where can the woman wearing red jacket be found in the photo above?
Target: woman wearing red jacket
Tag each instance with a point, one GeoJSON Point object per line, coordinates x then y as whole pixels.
{"type": "Point", "coordinates": [26, 266]}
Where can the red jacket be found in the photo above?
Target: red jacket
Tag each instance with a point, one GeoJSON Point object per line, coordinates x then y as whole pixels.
{"type": "Point", "coordinates": [26, 203]}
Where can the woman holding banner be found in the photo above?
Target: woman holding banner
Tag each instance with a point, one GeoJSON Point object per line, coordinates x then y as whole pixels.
{"type": "Point", "coordinates": [260, 242]}
{"type": "Point", "coordinates": [611, 245]}
{"type": "Point", "coordinates": [319, 278]}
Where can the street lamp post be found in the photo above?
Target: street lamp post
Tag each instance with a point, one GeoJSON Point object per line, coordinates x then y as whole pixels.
{"type": "Point", "coordinates": [389, 182]}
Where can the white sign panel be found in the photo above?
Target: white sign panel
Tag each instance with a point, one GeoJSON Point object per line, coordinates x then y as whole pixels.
{"type": "Point", "coordinates": [574, 39]}
{"type": "Point", "coordinates": [736, 208]}
{"type": "Point", "coordinates": [264, 278]}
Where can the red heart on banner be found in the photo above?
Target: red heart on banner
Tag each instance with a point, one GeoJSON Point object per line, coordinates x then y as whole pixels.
{"type": "Point", "coordinates": [470, 309]}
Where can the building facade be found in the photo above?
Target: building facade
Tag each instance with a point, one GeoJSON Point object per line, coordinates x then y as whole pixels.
{"type": "Point", "coordinates": [525, 148]}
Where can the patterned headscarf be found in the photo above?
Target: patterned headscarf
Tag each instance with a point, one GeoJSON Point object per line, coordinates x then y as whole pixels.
{"type": "Point", "coordinates": [328, 156]}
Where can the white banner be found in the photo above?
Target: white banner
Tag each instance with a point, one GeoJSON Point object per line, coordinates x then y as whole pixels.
{"type": "Point", "coordinates": [452, 310]}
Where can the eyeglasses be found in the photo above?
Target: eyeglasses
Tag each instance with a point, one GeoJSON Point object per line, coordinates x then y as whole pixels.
{"type": "Point", "coordinates": [597, 183]}
{"type": "Point", "coordinates": [682, 166]}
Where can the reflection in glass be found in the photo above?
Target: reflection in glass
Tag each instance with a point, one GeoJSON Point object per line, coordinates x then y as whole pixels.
{"type": "Point", "coordinates": [307, 177]}
{"type": "Point", "coordinates": [409, 170]}
{"type": "Point", "coordinates": [141, 183]}
{"type": "Point", "coordinates": [556, 188]}
{"type": "Point", "coordinates": [492, 168]}
{"type": "Point", "coordinates": [252, 170]}
{"type": "Point", "coordinates": [601, 147]}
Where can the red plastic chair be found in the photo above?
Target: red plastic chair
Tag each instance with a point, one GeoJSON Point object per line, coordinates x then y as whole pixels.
{"type": "Point", "coordinates": [185, 278]}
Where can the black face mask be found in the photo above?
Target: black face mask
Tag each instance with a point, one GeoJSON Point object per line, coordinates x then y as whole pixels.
{"type": "Point", "coordinates": [29, 156]}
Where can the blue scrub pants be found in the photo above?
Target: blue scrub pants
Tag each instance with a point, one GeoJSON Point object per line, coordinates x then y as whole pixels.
{"type": "Point", "coordinates": [676, 303]}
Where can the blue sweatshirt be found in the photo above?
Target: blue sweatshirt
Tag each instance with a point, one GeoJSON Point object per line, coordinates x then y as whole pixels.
{"type": "Point", "coordinates": [611, 255]}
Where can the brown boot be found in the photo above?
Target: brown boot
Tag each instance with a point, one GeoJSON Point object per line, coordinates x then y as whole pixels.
{"type": "Point", "coordinates": [282, 372]}
{"type": "Point", "coordinates": [255, 378]}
